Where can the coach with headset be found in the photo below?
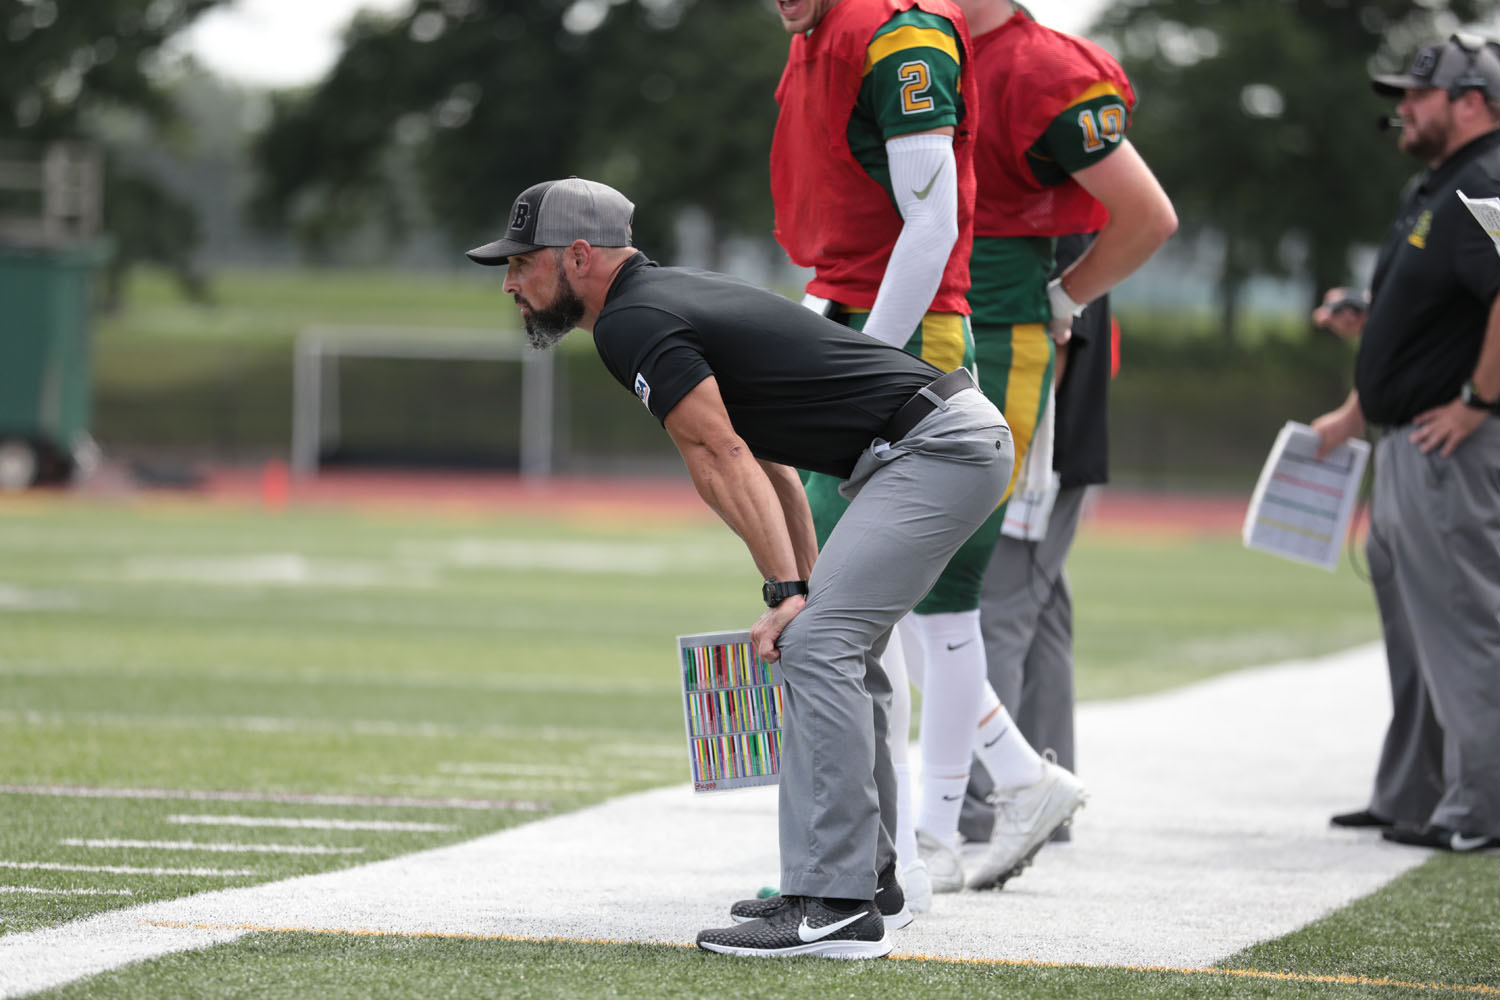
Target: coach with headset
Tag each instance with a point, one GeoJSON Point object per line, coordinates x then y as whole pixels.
{"type": "Point", "coordinates": [1427, 379]}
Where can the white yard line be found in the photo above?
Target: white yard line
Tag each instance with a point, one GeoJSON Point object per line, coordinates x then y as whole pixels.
{"type": "Point", "coordinates": [64, 892]}
{"type": "Point", "coordinates": [283, 724]}
{"type": "Point", "coordinates": [54, 866]}
{"type": "Point", "coordinates": [1206, 832]}
{"type": "Point", "coordinates": [221, 848]}
{"type": "Point", "coordinates": [295, 798]}
{"type": "Point", "coordinates": [312, 823]}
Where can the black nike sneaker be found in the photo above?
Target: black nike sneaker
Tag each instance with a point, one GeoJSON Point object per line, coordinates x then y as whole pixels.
{"type": "Point", "coordinates": [889, 899]}
{"type": "Point", "coordinates": [804, 925]}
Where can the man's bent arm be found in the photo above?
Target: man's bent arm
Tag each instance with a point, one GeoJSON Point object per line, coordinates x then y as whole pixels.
{"type": "Point", "coordinates": [1141, 218]}
{"type": "Point", "coordinates": [730, 479]}
{"type": "Point", "coordinates": [924, 180]}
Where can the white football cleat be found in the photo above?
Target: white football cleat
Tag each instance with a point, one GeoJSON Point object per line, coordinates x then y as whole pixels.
{"type": "Point", "coordinates": [945, 870]}
{"type": "Point", "coordinates": [1024, 820]}
{"type": "Point", "coordinates": [918, 886]}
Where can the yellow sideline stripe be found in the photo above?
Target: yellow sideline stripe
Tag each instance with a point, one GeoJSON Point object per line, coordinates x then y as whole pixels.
{"type": "Point", "coordinates": [1030, 963]}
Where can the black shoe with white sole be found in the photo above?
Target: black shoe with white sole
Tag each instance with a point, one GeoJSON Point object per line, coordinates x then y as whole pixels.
{"type": "Point", "coordinates": [1441, 838]}
{"type": "Point", "coordinates": [1360, 819]}
{"type": "Point", "coordinates": [889, 898]}
{"type": "Point", "coordinates": [804, 925]}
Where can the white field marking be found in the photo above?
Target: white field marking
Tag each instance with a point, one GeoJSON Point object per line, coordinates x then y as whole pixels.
{"type": "Point", "coordinates": [55, 866]}
{"type": "Point", "coordinates": [567, 557]}
{"type": "Point", "coordinates": [312, 823]}
{"type": "Point", "coordinates": [66, 892]}
{"type": "Point", "coordinates": [304, 676]}
{"type": "Point", "coordinates": [497, 767]}
{"type": "Point", "coordinates": [1170, 865]}
{"type": "Point", "coordinates": [491, 784]}
{"type": "Point", "coordinates": [17, 598]}
{"type": "Point", "coordinates": [293, 798]}
{"type": "Point", "coordinates": [220, 848]}
{"type": "Point", "coordinates": [278, 724]}
{"type": "Point", "coordinates": [285, 569]}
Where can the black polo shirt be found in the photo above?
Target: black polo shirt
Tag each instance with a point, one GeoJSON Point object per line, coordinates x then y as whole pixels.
{"type": "Point", "coordinates": [801, 390]}
{"type": "Point", "coordinates": [1435, 279]}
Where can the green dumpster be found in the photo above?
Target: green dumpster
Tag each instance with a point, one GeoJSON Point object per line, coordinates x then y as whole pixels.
{"type": "Point", "coordinates": [46, 380]}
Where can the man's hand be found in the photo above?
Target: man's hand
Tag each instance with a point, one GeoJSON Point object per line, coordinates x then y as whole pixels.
{"type": "Point", "coordinates": [1335, 428]}
{"type": "Point", "coordinates": [1445, 427]}
{"type": "Point", "coordinates": [765, 632]}
{"type": "Point", "coordinates": [1060, 329]}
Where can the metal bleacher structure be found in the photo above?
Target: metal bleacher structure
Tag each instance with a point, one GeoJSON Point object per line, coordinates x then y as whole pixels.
{"type": "Point", "coordinates": [315, 383]}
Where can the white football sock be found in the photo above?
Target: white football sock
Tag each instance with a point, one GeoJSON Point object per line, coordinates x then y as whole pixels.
{"type": "Point", "coordinates": [1002, 749]}
{"type": "Point", "coordinates": [954, 670]}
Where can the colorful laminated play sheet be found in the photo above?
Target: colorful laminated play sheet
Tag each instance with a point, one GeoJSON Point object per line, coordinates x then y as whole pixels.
{"type": "Point", "coordinates": [732, 704]}
{"type": "Point", "coordinates": [1303, 503]}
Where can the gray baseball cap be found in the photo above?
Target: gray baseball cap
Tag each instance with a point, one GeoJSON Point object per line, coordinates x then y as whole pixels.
{"type": "Point", "coordinates": [1463, 62]}
{"type": "Point", "coordinates": [555, 213]}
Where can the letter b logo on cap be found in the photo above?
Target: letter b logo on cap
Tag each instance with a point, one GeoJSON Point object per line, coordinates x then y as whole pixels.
{"type": "Point", "coordinates": [521, 217]}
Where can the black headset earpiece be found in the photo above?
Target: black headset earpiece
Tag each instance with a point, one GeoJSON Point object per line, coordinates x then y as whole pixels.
{"type": "Point", "coordinates": [1470, 79]}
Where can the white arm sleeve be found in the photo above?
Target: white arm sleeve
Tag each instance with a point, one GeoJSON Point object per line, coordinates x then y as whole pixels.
{"type": "Point", "coordinates": [924, 178]}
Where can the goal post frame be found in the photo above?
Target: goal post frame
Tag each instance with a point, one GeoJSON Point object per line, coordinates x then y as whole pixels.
{"type": "Point", "coordinates": [315, 384]}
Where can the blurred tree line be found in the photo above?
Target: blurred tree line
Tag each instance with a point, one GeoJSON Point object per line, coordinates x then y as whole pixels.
{"type": "Point", "coordinates": [1257, 115]}
{"type": "Point", "coordinates": [1258, 118]}
{"type": "Point", "coordinates": [468, 102]}
{"type": "Point", "coordinates": [68, 67]}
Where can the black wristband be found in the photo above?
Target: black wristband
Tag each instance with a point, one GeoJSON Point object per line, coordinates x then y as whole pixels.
{"type": "Point", "coordinates": [775, 591]}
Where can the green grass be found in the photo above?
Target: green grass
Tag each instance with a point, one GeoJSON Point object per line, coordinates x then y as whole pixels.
{"type": "Point", "coordinates": [1426, 930]}
{"type": "Point", "coordinates": [277, 304]}
{"type": "Point", "coordinates": [178, 646]}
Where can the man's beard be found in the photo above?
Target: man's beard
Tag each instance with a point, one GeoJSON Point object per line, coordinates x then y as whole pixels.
{"type": "Point", "coordinates": [1427, 142]}
{"type": "Point", "coordinates": [545, 327]}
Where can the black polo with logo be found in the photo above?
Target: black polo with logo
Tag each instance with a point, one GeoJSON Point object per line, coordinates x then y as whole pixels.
{"type": "Point", "coordinates": [1437, 274]}
{"type": "Point", "coordinates": [800, 390]}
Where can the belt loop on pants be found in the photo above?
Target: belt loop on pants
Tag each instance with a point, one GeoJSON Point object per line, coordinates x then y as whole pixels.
{"type": "Point", "coordinates": [924, 401]}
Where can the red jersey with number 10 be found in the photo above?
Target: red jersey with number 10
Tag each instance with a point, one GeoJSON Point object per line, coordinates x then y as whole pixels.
{"type": "Point", "coordinates": [831, 215]}
{"type": "Point", "coordinates": [1029, 75]}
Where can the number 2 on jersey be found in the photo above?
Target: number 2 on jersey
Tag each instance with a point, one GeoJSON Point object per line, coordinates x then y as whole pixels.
{"type": "Point", "coordinates": [915, 80]}
{"type": "Point", "coordinates": [1107, 126]}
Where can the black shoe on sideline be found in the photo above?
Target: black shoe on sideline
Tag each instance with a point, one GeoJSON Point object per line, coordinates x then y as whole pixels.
{"type": "Point", "coordinates": [889, 898]}
{"type": "Point", "coordinates": [1440, 837]}
{"type": "Point", "coordinates": [804, 925]}
{"type": "Point", "coordinates": [1359, 819]}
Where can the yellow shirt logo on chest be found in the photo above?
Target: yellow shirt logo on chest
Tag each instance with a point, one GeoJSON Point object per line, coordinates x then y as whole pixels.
{"type": "Point", "coordinates": [1418, 235]}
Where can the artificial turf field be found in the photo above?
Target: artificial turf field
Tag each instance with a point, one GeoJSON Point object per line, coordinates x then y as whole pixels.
{"type": "Point", "coordinates": [409, 679]}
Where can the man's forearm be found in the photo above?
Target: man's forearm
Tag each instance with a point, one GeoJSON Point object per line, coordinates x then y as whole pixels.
{"type": "Point", "coordinates": [1487, 369]}
{"type": "Point", "coordinates": [1141, 219]}
{"type": "Point", "coordinates": [798, 515]}
{"type": "Point", "coordinates": [738, 490]}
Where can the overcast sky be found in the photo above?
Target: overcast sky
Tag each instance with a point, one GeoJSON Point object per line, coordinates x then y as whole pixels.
{"type": "Point", "coordinates": [281, 43]}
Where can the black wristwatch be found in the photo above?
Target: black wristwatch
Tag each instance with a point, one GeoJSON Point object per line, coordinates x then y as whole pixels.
{"type": "Point", "coordinates": [1470, 397]}
{"type": "Point", "coordinates": [776, 591]}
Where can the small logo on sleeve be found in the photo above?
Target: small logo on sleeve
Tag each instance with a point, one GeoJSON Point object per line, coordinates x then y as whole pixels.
{"type": "Point", "coordinates": [643, 389]}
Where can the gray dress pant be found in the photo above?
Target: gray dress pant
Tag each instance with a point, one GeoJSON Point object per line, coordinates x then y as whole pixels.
{"type": "Point", "coordinates": [1439, 522]}
{"type": "Point", "coordinates": [1027, 623]}
{"type": "Point", "coordinates": [913, 504]}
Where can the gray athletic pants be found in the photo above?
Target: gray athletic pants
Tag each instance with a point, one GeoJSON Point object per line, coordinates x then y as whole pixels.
{"type": "Point", "coordinates": [913, 504]}
{"type": "Point", "coordinates": [1026, 613]}
{"type": "Point", "coordinates": [1437, 522]}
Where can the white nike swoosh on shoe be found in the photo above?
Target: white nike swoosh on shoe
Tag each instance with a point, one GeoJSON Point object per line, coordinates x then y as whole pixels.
{"type": "Point", "coordinates": [809, 933]}
{"type": "Point", "coordinates": [1461, 843]}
